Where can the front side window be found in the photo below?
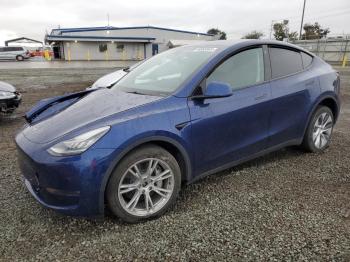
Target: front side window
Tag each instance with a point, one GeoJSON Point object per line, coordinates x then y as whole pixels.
{"type": "Point", "coordinates": [284, 62]}
{"type": "Point", "coordinates": [165, 72]}
{"type": "Point", "coordinates": [243, 69]}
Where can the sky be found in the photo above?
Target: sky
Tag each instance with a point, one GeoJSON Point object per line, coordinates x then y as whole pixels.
{"type": "Point", "coordinates": [34, 18]}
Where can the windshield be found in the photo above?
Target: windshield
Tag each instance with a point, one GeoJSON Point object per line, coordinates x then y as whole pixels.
{"type": "Point", "coordinates": [165, 72]}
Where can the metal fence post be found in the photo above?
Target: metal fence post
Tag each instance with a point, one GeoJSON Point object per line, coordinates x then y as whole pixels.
{"type": "Point", "coordinates": [345, 55]}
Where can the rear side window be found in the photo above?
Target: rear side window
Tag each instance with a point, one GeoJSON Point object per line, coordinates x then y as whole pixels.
{"type": "Point", "coordinates": [243, 69]}
{"type": "Point", "coordinates": [13, 48]}
{"type": "Point", "coordinates": [284, 62]}
{"type": "Point", "coordinates": [307, 59]}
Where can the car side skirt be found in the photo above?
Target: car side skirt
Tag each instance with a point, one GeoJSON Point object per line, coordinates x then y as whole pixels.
{"type": "Point", "coordinates": [240, 161]}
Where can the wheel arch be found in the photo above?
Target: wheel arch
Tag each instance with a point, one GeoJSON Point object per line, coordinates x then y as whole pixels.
{"type": "Point", "coordinates": [332, 105]}
{"type": "Point", "coordinates": [174, 147]}
{"type": "Point", "coordinates": [328, 100]}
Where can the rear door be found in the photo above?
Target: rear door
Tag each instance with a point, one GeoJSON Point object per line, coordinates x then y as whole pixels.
{"type": "Point", "coordinates": [292, 87]}
{"type": "Point", "coordinates": [228, 129]}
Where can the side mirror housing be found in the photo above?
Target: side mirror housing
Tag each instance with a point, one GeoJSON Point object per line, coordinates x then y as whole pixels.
{"type": "Point", "coordinates": [215, 90]}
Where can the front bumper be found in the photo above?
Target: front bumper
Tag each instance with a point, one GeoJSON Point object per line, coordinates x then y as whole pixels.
{"type": "Point", "coordinates": [9, 105]}
{"type": "Point", "coordinates": [70, 185]}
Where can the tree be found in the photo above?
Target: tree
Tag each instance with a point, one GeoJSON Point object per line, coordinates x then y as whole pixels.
{"type": "Point", "coordinates": [253, 35]}
{"type": "Point", "coordinates": [314, 31]}
{"type": "Point", "coordinates": [281, 31]}
{"type": "Point", "coordinates": [293, 36]}
{"type": "Point", "coordinates": [217, 32]}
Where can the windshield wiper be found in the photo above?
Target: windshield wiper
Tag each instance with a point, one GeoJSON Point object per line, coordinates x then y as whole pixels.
{"type": "Point", "coordinates": [136, 93]}
{"type": "Point", "coordinates": [126, 69]}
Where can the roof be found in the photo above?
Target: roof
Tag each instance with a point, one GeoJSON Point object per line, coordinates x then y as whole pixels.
{"type": "Point", "coordinates": [242, 43]}
{"type": "Point", "coordinates": [22, 40]}
{"type": "Point", "coordinates": [51, 38]}
{"type": "Point", "coordinates": [175, 42]}
{"type": "Point", "coordinates": [102, 28]}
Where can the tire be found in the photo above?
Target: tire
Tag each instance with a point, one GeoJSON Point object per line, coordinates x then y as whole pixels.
{"type": "Point", "coordinates": [157, 176]}
{"type": "Point", "coordinates": [19, 58]}
{"type": "Point", "coordinates": [317, 138]}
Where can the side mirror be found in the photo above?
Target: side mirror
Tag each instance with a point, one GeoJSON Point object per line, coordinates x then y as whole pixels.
{"type": "Point", "coordinates": [215, 90]}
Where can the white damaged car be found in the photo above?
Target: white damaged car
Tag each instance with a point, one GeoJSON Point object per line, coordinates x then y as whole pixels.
{"type": "Point", "coordinates": [9, 98]}
{"type": "Point", "coordinates": [110, 79]}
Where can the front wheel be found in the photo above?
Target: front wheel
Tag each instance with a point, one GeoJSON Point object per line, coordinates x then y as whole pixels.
{"type": "Point", "coordinates": [19, 58]}
{"type": "Point", "coordinates": [144, 184]}
{"type": "Point", "coordinates": [319, 131]}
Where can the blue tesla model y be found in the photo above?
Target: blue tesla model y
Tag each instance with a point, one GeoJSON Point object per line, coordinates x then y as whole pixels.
{"type": "Point", "coordinates": [183, 114]}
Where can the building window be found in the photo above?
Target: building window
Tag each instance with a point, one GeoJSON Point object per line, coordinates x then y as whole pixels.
{"type": "Point", "coordinates": [120, 48]}
{"type": "Point", "coordinates": [102, 47]}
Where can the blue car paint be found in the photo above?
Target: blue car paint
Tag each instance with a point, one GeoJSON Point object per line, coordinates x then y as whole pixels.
{"type": "Point", "coordinates": [210, 134]}
{"type": "Point", "coordinates": [238, 124]}
{"type": "Point", "coordinates": [50, 106]}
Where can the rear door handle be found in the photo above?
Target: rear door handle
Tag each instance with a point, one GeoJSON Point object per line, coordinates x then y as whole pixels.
{"type": "Point", "coordinates": [261, 97]}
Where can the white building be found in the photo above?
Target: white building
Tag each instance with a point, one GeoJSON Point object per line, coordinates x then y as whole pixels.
{"type": "Point", "coordinates": [117, 43]}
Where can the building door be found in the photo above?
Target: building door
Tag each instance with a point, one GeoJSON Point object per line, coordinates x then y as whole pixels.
{"type": "Point", "coordinates": [154, 49]}
{"type": "Point", "coordinates": [56, 52]}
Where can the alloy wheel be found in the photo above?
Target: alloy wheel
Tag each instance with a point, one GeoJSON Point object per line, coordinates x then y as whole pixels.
{"type": "Point", "coordinates": [322, 130]}
{"type": "Point", "coordinates": [146, 187]}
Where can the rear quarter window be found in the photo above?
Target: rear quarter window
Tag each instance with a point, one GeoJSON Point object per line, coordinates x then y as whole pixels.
{"type": "Point", "coordinates": [284, 62]}
{"type": "Point", "coordinates": [307, 59]}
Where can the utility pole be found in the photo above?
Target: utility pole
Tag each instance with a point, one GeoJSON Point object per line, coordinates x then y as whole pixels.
{"type": "Point", "coordinates": [271, 29]}
{"type": "Point", "coordinates": [108, 19]}
{"type": "Point", "coordinates": [302, 20]}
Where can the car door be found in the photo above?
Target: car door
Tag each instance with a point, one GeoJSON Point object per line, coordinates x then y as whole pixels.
{"type": "Point", "coordinates": [292, 88]}
{"type": "Point", "coordinates": [225, 130]}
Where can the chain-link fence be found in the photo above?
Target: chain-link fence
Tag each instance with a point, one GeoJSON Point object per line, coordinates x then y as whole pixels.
{"type": "Point", "coordinates": [331, 50]}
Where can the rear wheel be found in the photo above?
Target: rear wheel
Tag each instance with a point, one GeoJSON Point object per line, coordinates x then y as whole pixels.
{"type": "Point", "coordinates": [144, 184]}
{"type": "Point", "coordinates": [19, 58]}
{"type": "Point", "coordinates": [319, 132]}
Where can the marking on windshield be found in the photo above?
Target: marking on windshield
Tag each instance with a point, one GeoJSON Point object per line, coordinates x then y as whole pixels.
{"type": "Point", "coordinates": [205, 49]}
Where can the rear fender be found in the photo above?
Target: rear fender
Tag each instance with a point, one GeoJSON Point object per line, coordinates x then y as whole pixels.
{"type": "Point", "coordinates": [321, 98]}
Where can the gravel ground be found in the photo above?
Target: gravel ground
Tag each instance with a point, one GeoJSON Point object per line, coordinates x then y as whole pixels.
{"type": "Point", "coordinates": [52, 77]}
{"type": "Point", "coordinates": [287, 205]}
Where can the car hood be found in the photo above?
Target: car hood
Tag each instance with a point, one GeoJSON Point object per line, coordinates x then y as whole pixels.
{"type": "Point", "coordinates": [7, 87]}
{"type": "Point", "coordinates": [92, 107]}
{"type": "Point", "coordinates": [109, 79]}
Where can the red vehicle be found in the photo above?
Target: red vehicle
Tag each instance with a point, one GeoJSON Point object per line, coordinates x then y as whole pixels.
{"type": "Point", "coordinates": [41, 52]}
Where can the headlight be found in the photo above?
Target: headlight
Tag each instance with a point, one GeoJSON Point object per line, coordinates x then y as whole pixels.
{"type": "Point", "coordinates": [6, 95]}
{"type": "Point", "coordinates": [78, 144]}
